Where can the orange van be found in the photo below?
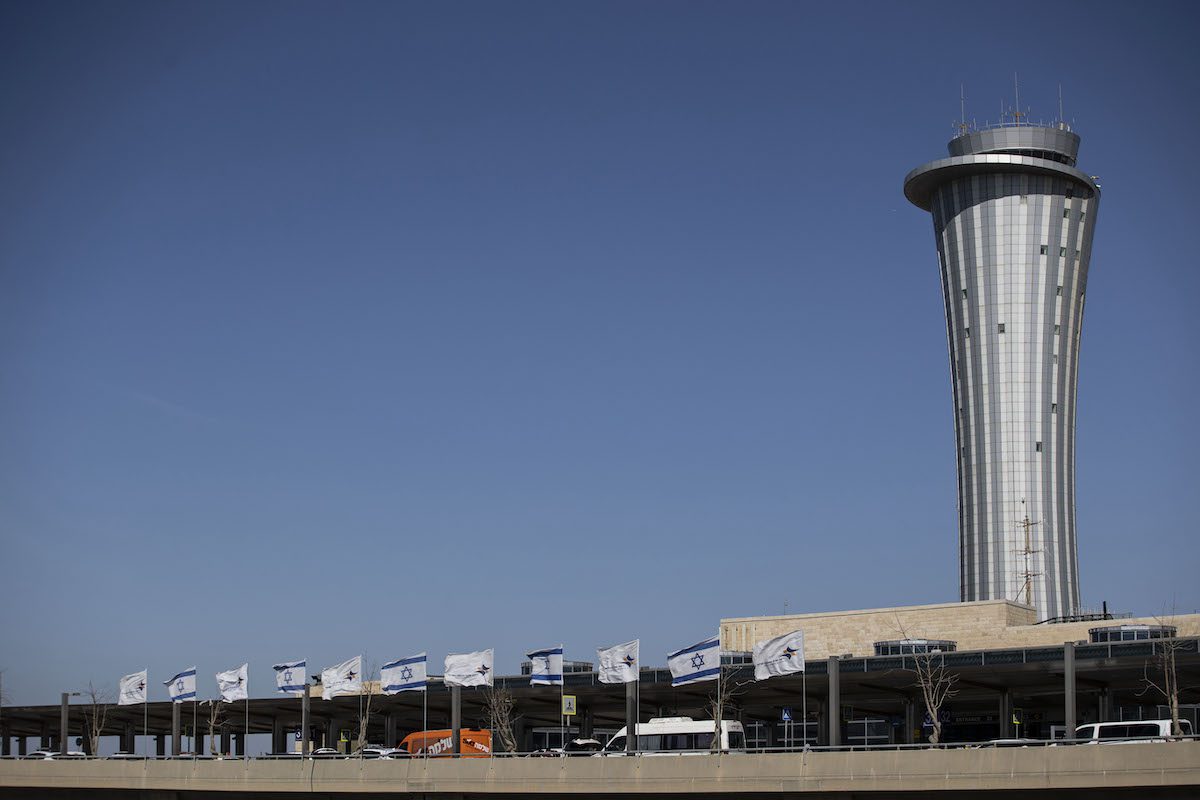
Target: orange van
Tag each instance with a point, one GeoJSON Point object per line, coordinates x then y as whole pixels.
{"type": "Point", "coordinates": [441, 743]}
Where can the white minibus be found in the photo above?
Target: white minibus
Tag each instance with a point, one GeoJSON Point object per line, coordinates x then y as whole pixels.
{"type": "Point", "coordinates": [679, 735]}
{"type": "Point", "coordinates": [1143, 729]}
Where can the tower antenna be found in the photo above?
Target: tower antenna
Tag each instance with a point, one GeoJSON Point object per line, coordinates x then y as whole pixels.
{"type": "Point", "coordinates": [1017, 92]}
{"type": "Point", "coordinates": [962, 109]}
{"type": "Point", "coordinates": [1060, 111]}
{"type": "Point", "coordinates": [1028, 550]}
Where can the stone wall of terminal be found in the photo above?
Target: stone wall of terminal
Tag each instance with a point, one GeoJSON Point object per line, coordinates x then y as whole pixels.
{"type": "Point", "coordinates": [981, 625]}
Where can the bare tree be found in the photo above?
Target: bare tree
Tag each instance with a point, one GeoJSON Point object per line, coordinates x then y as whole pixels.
{"type": "Point", "coordinates": [1165, 678]}
{"type": "Point", "coordinates": [935, 681]}
{"type": "Point", "coordinates": [499, 704]}
{"type": "Point", "coordinates": [215, 717]}
{"type": "Point", "coordinates": [366, 696]}
{"type": "Point", "coordinates": [95, 714]}
{"type": "Point", "coordinates": [722, 698]}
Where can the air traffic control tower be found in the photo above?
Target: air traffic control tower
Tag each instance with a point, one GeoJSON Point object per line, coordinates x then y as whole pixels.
{"type": "Point", "coordinates": [1013, 219]}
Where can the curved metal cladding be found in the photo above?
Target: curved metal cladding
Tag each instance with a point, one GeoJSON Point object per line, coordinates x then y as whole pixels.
{"type": "Point", "coordinates": [1013, 219]}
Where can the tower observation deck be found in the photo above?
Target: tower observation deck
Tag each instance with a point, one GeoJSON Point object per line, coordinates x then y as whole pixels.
{"type": "Point", "coordinates": [1013, 220]}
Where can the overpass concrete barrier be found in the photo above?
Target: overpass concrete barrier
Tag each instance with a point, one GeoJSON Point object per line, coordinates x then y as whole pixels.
{"type": "Point", "coordinates": [1163, 764]}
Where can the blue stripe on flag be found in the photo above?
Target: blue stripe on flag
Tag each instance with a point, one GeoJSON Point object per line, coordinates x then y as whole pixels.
{"type": "Point", "coordinates": [694, 676]}
{"type": "Point", "coordinates": [400, 687]}
{"type": "Point", "coordinates": [403, 661]}
{"type": "Point", "coordinates": [553, 651]}
{"type": "Point", "coordinates": [282, 667]}
{"type": "Point", "coordinates": [191, 673]}
{"type": "Point", "coordinates": [290, 688]}
{"type": "Point", "coordinates": [179, 697]}
{"type": "Point", "coordinates": [707, 644]}
{"type": "Point", "coordinates": [546, 679]}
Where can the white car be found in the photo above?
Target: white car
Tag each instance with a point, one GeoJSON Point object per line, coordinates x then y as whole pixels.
{"type": "Point", "coordinates": [1130, 731]}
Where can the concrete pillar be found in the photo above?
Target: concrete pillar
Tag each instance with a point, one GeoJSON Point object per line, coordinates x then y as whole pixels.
{"type": "Point", "coordinates": [455, 719]}
{"type": "Point", "coordinates": [1104, 701]}
{"type": "Point", "coordinates": [390, 739]}
{"type": "Point", "coordinates": [176, 735]}
{"type": "Point", "coordinates": [587, 723]}
{"type": "Point", "coordinates": [834, 704]}
{"type": "Point", "coordinates": [47, 737]}
{"type": "Point", "coordinates": [64, 724]}
{"type": "Point", "coordinates": [331, 731]}
{"type": "Point", "coordinates": [1069, 715]}
{"type": "Point", "coordinates": [305, 723]}
{"type": "Point", "coordinates": [631, 717]}
{"type": "Point", "coordinates": [22, 746]}
{"type": "Point", "coordinates": [1006, 715]}
{"type": "Point", "coordinates": [239, 744]}
{"type": "Point", "coordinates": [160, 744]}
{"type": "Point", "coordinates": [278, 736]}
{"type": "Point", "coordinates": [910, 720]}
{"type": "Point", "coordinates": [5, 742]}
{"type": "Point", "coordinates": [225, 743]}
{"type": "Point", "coordinates": [129, 738]}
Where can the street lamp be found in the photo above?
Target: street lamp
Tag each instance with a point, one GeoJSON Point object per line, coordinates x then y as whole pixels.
{"type": "Point", "coordinates": [62, 721]}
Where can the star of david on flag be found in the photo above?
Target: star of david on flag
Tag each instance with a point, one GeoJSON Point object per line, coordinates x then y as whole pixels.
{"type": "Point", "coordinates": [404, 675]}
{"type": "Point", "coordinates": [289, 677]}
{"type": "Point", "coordinates": [546, 667]}
{"type": "Point", "coordinates": [182, 686]}
{"type": "Point", "coordinates": [699, 662]}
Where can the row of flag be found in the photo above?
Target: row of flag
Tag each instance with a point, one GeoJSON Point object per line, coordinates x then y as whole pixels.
{"type": "Point", "coordinates": [619, 663]}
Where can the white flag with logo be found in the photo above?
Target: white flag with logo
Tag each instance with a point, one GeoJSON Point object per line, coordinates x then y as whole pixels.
{"type": "Point", "coordinates": [700, 662]}
{"type": "Point", "coordinates": [182, 686]}
{"type": "Point", "coordinates": [345, 678]}
{"type": "Point", "coordinates": [404, 675]}
{"type": "Point", "coordinates": [234, 684]}
{"type": "Point", "coordinates": [469, 669]}
{"type": "Point", "coordinates": [619, 663]}
{"type": "Point", "coordinates": [546, 667]}
{"type": "Point", "coordinates": [782, 655]}
{"type": "Point", "coordinates": [132, 689]}
{"type": "Point", "coordinates": [289, 677]}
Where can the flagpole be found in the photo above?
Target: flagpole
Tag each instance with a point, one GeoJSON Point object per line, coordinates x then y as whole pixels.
{"type": "Point", "coordinates": [562, 693]}
{"type": "Point", "coordinates": [146, 715]}
{"type": "Point", "coordinates": [804, 705]}
{"type": "Point", "coordinates": [195, 702]}
{"type": "Point", "coordinates": [246, 738]}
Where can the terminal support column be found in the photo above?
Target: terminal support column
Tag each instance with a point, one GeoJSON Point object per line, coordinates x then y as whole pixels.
{"type": "Point", "coordinates": [1069, 716]}
{"type": "Point", "coordinates": [834, 706]}
{"type": "Point", "coordinates": [64, 715]}
{"type": "Point", "coordinates": [176, 739]}
{"type": "Point", "coordinates": [305, 733]}
{"type": "Point", "coordinates": [631, 716]}
{"type": "Point", "coordinates": [1006, 714]}
{"type": "Point", "coordinates": [456, 719]}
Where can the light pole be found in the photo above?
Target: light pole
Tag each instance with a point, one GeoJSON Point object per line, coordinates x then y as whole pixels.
{"type": "Point", "coordinates": [64, 714]}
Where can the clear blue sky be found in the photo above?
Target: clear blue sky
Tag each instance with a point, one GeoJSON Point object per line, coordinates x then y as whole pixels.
{"type": "Point", "coordinates": [330, 328]}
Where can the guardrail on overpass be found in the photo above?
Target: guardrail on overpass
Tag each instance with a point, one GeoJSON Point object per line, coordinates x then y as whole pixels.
{"type": "Point", "coordinates": [1161, 769]}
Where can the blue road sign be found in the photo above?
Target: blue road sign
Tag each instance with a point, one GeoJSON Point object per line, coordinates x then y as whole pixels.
{"type": "Point", "coordinates": [787, 714]}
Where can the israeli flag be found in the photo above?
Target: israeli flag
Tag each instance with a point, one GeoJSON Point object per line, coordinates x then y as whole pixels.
{"type": "Point", "coordinates": [469, 669]}
{"type": "Point", "coordinates": [132, 689]}
{"type": "Point", "coordinates": [344, 678]}
{"type": "Point", "coordinates": [782, 655]}
{"type": "Point", "coordinates": [700, 662]}
{"type": "Point", "coordinates": [182, 686]}
{"type": "Point", "coordinates": [547, 667]}
{"type": "Point", "coordinates": [289, 677]}
{"type": "Point", "coordinates": [234, 684]}
{"type": "Point", "coordinates": [405, 675]}
{"type": "Point", "coordinates": [619, 663]}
